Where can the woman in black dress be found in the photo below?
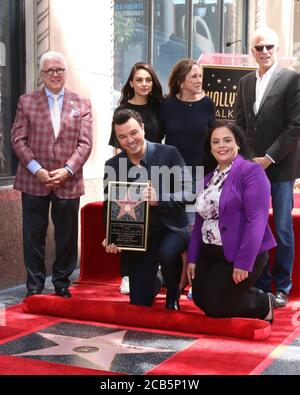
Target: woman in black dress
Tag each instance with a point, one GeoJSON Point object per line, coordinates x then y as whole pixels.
{"type": "Point", "coordinates": [186, 115]}
{"type": "Point", "coordinates": [186, 112]}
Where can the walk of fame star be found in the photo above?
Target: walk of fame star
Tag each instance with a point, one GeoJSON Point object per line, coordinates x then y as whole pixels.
{"type": "Point", "coordinates": [100, 350]}
{"type": "Point", "coordinates": [97, 347]}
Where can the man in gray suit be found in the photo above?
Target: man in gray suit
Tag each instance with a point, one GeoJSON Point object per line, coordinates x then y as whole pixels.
{"type": "Point", "coordinates": [268, 110]}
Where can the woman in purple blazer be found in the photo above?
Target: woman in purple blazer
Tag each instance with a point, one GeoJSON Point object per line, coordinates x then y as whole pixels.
{"type": "Point", "coordinates": [229, 245]}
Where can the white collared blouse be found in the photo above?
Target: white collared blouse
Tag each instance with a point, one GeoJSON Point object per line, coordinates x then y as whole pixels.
{"type": "Point", "coordinates": [207, 205]}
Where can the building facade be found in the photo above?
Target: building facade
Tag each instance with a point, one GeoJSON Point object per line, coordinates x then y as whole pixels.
{"type": "Point", "coordinates": [101, 40]}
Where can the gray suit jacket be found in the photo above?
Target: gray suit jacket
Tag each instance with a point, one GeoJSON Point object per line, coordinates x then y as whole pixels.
{"type": "Point", "coordinates": [275, 128]}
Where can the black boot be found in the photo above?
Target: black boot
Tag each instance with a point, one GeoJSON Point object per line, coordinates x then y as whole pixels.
{"type": "Point", "coordinates": [158, 282]}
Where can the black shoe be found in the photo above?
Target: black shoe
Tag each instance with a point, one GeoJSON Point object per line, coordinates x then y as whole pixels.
{"type": "Point", "coordinates": [63, 292]}
{"type": "Point", "coordinates": [158, 282]}
{"type": "Point", "coordinates": [32, 292]}
{"type": "Point", "coordinates": [272, 301]}
{"type": "Point", "coordinates": [257, 291]}
{"type": "Point", "coordinates": [171, 302]}
{"type": "Point", "coordinates": [173, 306]}
{"type": "Point", "coordinates": [281, 299]}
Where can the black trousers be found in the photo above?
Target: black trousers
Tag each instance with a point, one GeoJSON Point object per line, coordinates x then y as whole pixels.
{"type": "Point", "coordinates": [164, 248]}
{"type": "Point", "coordinates": [215, 292]}
{"type": "Point", "coordinates": [64, 214]}
{"type": "Point", "coordinates": [124, 265]}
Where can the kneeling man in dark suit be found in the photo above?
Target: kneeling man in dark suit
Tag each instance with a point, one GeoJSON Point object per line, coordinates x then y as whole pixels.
{"type": "Point", "coordinates": [168, 225]}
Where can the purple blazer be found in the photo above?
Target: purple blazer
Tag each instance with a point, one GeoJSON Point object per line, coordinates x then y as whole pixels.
{"type": "Point", "coordinates": [243, 216]}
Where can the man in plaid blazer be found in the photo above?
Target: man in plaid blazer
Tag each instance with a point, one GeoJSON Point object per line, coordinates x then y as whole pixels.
{"type": "Point", "coordinates": [50, 171]}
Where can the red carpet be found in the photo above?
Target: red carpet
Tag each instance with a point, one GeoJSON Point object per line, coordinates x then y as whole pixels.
{"type": "Point", "coordinates": [208, 354]}
{"type": "Point", "coordinates": [100, 268]}
{"type": "Point", "coordinates": [96, 296]}
{"type": "Point", "coordinates": [99, 305]}
{"type": "Point", "coordinates": [14, 365]}
{"type": "Point", "coordinates": [95, 265]}
{"type": "Point", "coordinates": [6, 331]}
{"type": "Point", "coordinates": [221, 346]}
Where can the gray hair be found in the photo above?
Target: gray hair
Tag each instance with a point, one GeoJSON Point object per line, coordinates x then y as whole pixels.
{"type": "Point", "coordinates": [52, 55]}
{"type": "Point", "coordinates": [265, 32]}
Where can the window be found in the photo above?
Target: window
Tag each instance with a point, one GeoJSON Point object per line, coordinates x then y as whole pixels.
{"type": "Point", "coordinates": [130, 38]}
{"type": "Point", "coordinates": [11, 79]}
{"type": "Point", "coordinates": [235, 26]}
{"type": "Point", "coordinates": [177, 28]}
{"type": "Point", "coordinates": [170, 36]}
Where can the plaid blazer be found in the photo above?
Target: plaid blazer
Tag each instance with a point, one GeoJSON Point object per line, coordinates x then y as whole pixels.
{"type": "Point", "coordinates": [33, 138]}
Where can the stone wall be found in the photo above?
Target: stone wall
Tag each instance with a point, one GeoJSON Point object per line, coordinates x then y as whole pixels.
{"type": "Point", "coordinates": [12, 271]}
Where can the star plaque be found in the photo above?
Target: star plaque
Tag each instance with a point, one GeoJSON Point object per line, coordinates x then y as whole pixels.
{"type": "Point", "coordinates": [127, 215]}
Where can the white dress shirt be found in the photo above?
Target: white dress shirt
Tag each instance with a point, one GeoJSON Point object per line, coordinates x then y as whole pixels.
{"type": "Point", "coordinates": [261, 85]}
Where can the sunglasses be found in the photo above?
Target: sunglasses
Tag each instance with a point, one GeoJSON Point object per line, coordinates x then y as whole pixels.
{"type": "Point", "coordinates": [260, 48]}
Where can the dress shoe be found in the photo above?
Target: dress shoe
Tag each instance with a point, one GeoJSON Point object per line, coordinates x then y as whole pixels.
{"type": "Point", "coordinates": [257, 291]}
{"type": "Point", "coordinates": [63, 292]}
{"type": "Point", "coordinates": [172, 303]}
{"type": "Point", "coordinates": [281, 299]}
{"type": "Point", "coordinates": [158, 282]}
{"type": "Point", "coordinates": [272, 300]}
{"type": "Point", "coordinates": [173, 306]}
{"type": "Point", "coordinates": [32, 292]}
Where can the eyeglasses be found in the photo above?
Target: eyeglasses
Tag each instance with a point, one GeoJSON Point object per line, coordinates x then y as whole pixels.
{"type": "Point", "coordinates": [59, 71]}
{"type": "Point", "coordinates": [260, 48]}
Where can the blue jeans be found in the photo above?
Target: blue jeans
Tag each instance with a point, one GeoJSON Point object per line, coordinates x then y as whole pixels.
{"type": "Point", "coordinates": [282, 202]}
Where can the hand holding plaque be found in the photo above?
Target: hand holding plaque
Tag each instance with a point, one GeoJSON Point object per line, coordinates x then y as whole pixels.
{"type": "Point", "coordinates": [127, 216]}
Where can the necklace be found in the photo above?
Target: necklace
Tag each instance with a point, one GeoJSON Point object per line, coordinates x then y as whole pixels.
{"type": "Point", "coordinates": [189, 103]}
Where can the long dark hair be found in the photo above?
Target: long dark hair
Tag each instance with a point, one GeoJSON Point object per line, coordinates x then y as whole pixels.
{"type": "Point", "coordinates": [127, 91]}
{"type": "Point", "coordinates": [178, 74]}
{"type": "Point", "coordinates": [209, 161]}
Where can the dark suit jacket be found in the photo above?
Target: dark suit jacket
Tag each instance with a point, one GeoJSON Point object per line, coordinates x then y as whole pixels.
{"type": "Point", "coordinates": [172, 199]}
{"type": "Point", "coordinates": [33, 137]}
{"type": "Point", "coordinates": [275, 129]}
